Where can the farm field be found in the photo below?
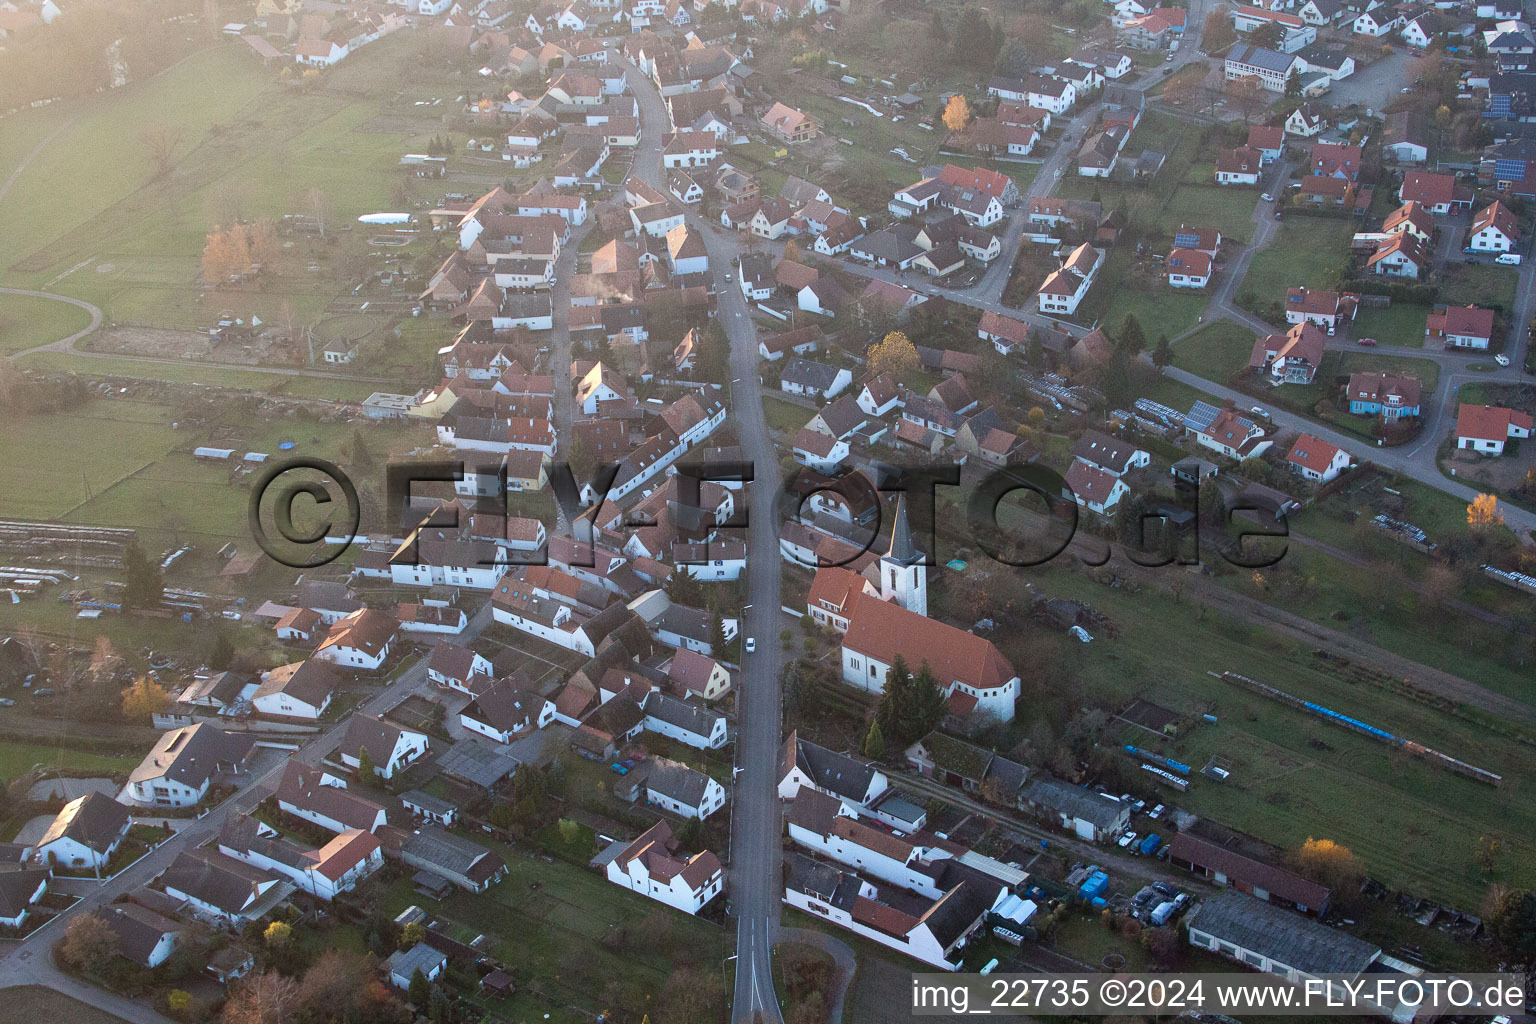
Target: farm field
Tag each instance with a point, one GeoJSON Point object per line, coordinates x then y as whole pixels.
{"type": "Point", "coordinates": [148, 478]}
{"type": "Point", "coordinates": [130, 242]}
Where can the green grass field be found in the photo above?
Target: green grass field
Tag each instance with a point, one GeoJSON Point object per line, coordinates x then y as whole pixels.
{"type": "Point", "coordinates": [1401, 323]}
{"type": "Point", "coordinates": [27, 322]}
{"type": "Point", "coordinates": [1215, 352]}
{"type": "Point", "coordinates": [1307, 252]}
{"type": "Point", "coordinates": [1295, 775]}
{"type": "Point", "coordinates": [1480, 285]}
{"type": "Point", "coordinates": [18, 758]}
{"type": "Point", "coordinates": [148, 479]}
{"type": "Point", "coordinates": [247, 147]}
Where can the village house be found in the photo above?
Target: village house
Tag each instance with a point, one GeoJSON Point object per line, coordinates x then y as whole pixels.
{"type": "Point", "coordinates": [1226, 431]}
{"type": "Point", "coordinates": [855, 782]}
{"type": "Point", "coordinates": [1438, 193]}
{"type": "Point", "coordinates": [1494, 229]}
{"type": "Point", "coordinates": [1314, 459]}
{"type": "Point", "coordinates": [1241, 166]}
{"type": "Point", "coordinates": [1289, 358]}
{"type": "Point", "coordinates": [221, 889]}
{"type": "Point", "coordinates": [1326, 309]}
{"type": "Point", "coordinates": [84, 834]}
{"type": "Point", "coordinates": [323, 799]}
{"type": "Point", "coordinates": [1461, 327]}
{"type": "Point", "coordinates": [672, 786]}
{"type": "Point", "coordinates": [653, 866]}
{"type": "Point", "coordinates": [1188, 268]}
{"type": "Point", "coordinates": [1392, 396]}
{"type": "Point", "coordinates": [300, 690]}
{"type": "Point", "coordinates": [388, 746]}
{"type": "Point", "coordinates": [183, 764]}
{"type": "Point", "coordinates": [1486, 428]}
{"type": "Point", "coordinates": [1063, 291]}
{"type": "Point", "coordinates": [361, 640]}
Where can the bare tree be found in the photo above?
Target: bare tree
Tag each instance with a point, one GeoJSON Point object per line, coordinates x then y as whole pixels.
{"type": "Point", "coordinates": [160, 142]}
{"type": "Point", "coordinates": [319, 207]}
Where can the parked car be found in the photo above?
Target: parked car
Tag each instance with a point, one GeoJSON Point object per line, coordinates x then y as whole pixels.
{"type": "Point", "coordinates": [1509, 259]}
{"type": "Point", "coordinates": [1267, 197]}
{"type": "Point", "coordinates": [1367, 342]}
{"type": "Point", "coordinates": [1126, 840]}
{"type": "Point", "coordinates": [1501, 359]}
{"type": "Point", "coordinates": [1156, 812]}
{"type": "Point", "coordinates": [751, 644]}
{"type": "Point", "coordinates": [6, 702]}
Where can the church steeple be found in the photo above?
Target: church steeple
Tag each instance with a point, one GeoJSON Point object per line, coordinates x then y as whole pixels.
{"type": "Point", "coordinates": [902, 549]}
{"type": "Point", "coordinates": [903, 571]}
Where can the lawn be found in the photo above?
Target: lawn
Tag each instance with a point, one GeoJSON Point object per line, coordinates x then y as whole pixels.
{"type": "Point", "coordinates": [1132, 285]}
{"type": "Point", "coordinates": [573, 937]}
{"type": "Point", "coordinates": [148, 479]}
{"type": "Point", "coordinates": [1402, 323]}
{"type": "Point", "coordinates": [40, 484]}
{"type": "Point", "coordinates": [1307, 252]}
{"type": "Point", "coordinates": [1491, 286]}
{"type": "Point", "coordinates": [33, 1002]}
{"type": "Point", "coordinates": [1229, 210]}
{"type": "Point", "coordinates": [26, 322]}
{"type": "Point", "coordinates": [247, 147]}
{"type": "Point", "coordinates": [18, 758]}
{"type": "Point", "coordinates": [1216, 351]}
{"type": "Point", "coordinates": [292, 386]}
{"type": "Point", "coordinates": [786, 416]}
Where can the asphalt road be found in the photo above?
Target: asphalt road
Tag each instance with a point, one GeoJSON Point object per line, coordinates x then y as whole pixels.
{"type": "Point", "coordinates": [755, 824]}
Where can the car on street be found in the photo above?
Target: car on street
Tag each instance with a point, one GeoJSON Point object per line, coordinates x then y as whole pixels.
{"type": "Point", "coordinates": [751, 644]}
{"type": "Point", "coordinates": [6, 702]}
{"type": "Point", "coordinates": [729, 278]}
{"type": "Point", "coordinates": [1501, 359]}
{"type": "Point", "coordinates": [1267, 197]}
{"type": "Point", "coordinates": [1367, 342]}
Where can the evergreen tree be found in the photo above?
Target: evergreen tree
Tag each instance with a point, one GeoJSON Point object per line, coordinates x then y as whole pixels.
{"type": "Point", "coordinates": [1162, 355]}
{"type": "Point", "coordinates": [440, 1007]}
{"type": "Point", "coordinates": [1131, 337]}
{"type": "Point", "coordinates": [420, 989]}
{"type": "Point", "coordinates": [874, 742]}
{"type": "Point", "coordinates": [716, 635]}
{"type": "Point", "coordinates": [1036, 352]}
{"type": "Point", "coordinates": [1116, 384]}
{"type": "Point", "coordinates": [365, 770]}
{"type": "Point", "coordinates": [927, 707]}
{"type": "Point", "coordinates": [143, 586]}
{"type": "Point", "coordinates": [888, 712]}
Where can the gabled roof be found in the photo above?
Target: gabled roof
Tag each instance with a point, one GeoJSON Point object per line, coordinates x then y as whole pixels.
{"type": "Point", "coordinates": [192, 755]}
{"type": "Point", "coordinates": [840, 774]}
{"type": "Point", "coordinates": [1239, 869]}
{"type": "Point", "coordinates": [1489, 422]}
{"type": "Point", "coordinates": [302, 787]}
{"type": "Point", "coordinates": [94, 821]}
{"type": "Point", "coordinates": [1312, 453]}
{"type": "Point", "coordinates": [886, 631]}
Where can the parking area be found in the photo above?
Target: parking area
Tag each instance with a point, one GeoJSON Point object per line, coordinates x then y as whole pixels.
{"type": "Point", "coordinates": [1376, 86]}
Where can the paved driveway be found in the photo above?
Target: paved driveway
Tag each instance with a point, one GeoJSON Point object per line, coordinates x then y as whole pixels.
{"type": "Point", "coordinates": [1375, 86]}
